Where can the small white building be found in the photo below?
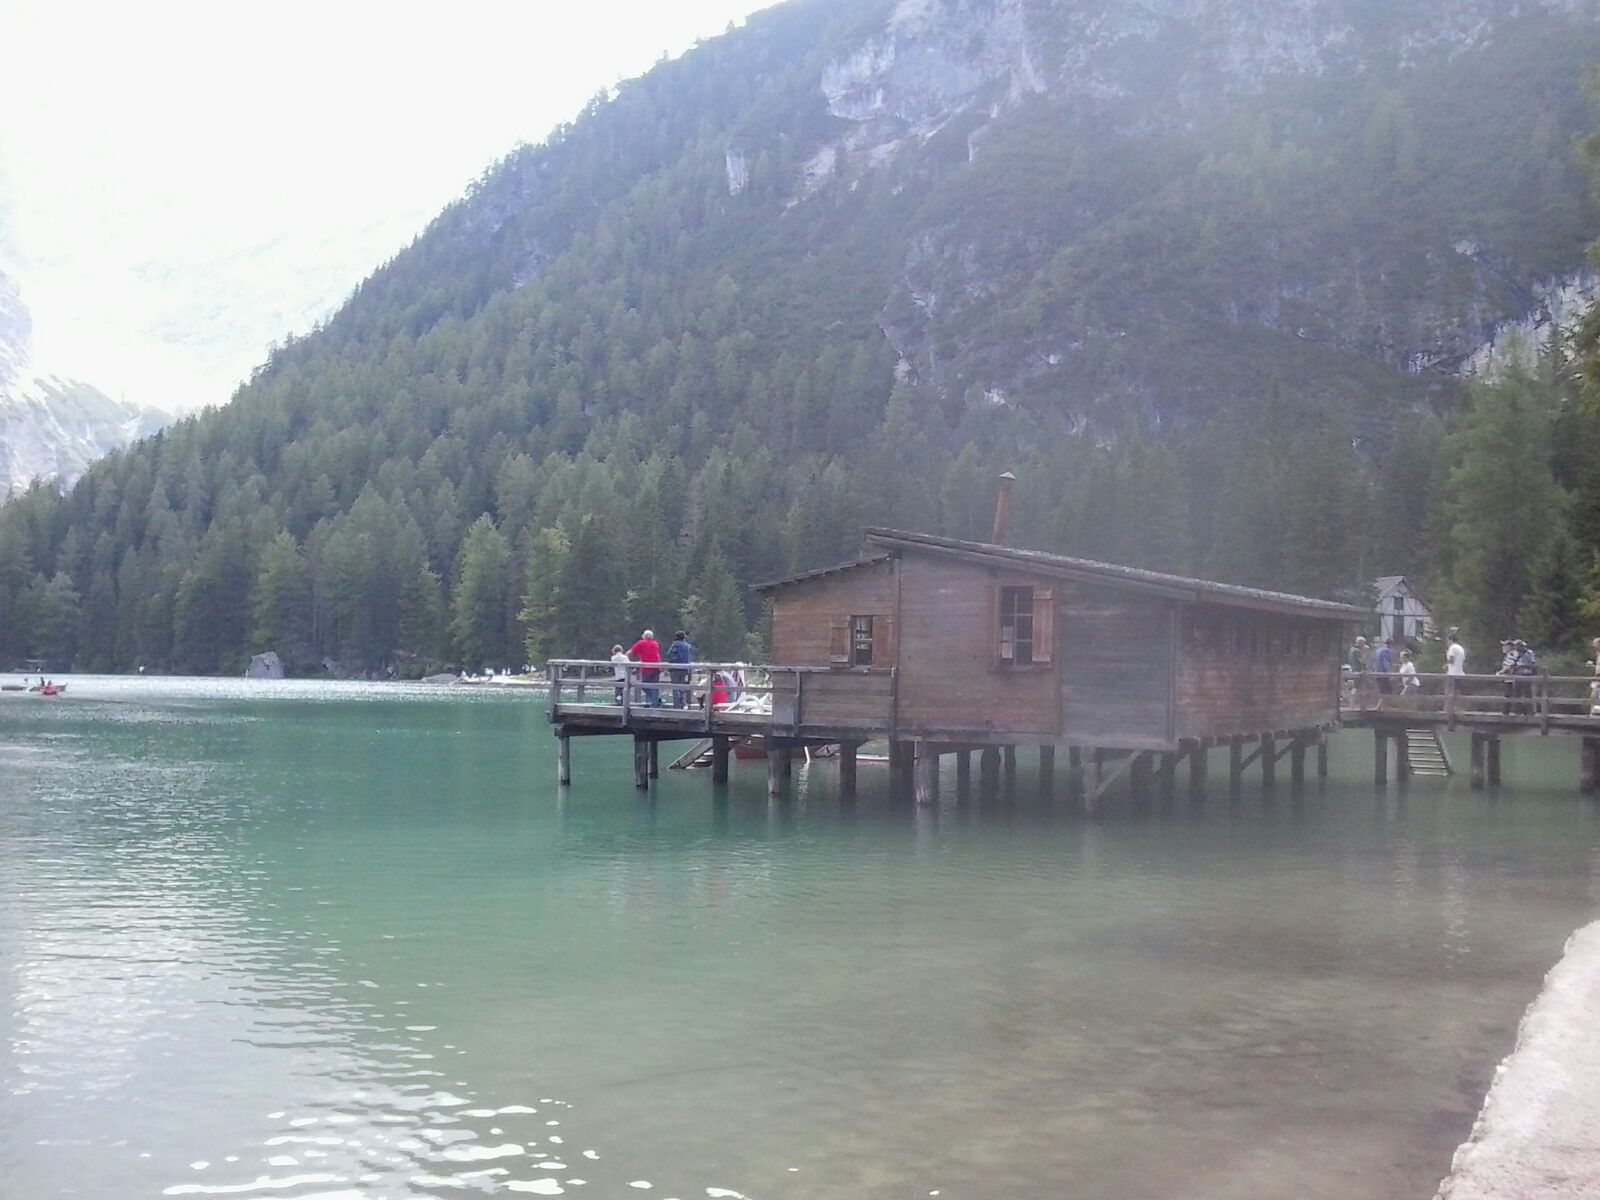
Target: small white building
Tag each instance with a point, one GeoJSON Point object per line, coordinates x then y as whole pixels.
{"type": "Point", "coordinates": [1402, 613]}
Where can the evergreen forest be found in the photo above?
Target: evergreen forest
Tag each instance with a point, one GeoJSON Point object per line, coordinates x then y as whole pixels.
{"type": "Point", "coordinates": [658, 359]}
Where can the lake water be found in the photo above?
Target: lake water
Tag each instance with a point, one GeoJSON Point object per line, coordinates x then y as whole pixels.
{"type": "Point", "coordinates": [322, 940]}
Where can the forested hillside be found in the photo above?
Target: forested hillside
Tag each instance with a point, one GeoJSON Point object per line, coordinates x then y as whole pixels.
{"type": "Point", "coordinates": [1203, 274]}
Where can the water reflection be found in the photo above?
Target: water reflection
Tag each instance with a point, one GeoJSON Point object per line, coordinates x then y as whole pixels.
{"type": "Point", "coordinates": [352, 943]}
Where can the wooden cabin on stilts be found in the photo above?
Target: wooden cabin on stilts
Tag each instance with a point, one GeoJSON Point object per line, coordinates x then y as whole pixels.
{"type": "Point", "coordinates": [942, 647]}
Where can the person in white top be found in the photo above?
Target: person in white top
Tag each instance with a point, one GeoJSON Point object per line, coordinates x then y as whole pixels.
{"type": "Point", "coordinates": [1455, 666]}
{"type": "Point", "coordinates": [1410, 685]}
{"type": "Point", "coordinates": [619, 670]}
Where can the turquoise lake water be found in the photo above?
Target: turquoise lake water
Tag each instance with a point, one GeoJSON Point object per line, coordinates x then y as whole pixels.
{"type": "Point", "coordinates": [348, 940]}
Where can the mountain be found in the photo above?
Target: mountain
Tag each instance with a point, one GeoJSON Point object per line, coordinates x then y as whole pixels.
{"type": "Point", "coordinates": [52, 428]}
{"type": "Point", "coordinates": [1201, 271]}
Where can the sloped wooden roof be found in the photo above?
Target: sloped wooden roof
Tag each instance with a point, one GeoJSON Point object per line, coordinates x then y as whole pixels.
{"type": "Point", "coordinates": [1100, 574]}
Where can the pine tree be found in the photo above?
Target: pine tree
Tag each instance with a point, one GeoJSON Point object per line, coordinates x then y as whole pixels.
{"type": "Point", "coordinates": [714, 614]}
{"type": "Point", "coordinates": [543, 613]}
{"type": "Point", "coordinates": [480, 604]}
{"type": "Point", "coordinates": [280, 601]}
{"type": "Point", "coordinates": [1552, 615]}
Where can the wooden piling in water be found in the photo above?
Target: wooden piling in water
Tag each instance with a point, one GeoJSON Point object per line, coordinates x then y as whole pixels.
{"type": "Point", "coordinates": [1297, 761]}
{"type": "Point", "coordinates": [655, 759]}
{"type": "Point", "coordinates": [1589, 766]}
{"type": "Point", "coordinates": [927, 773]}
{"type": "Point", "coordinates": [1269, 761]}
{"type": "Point", "coordinates": [641, 763]}
{"type": "Point", "coordinates": [1197, 770]}
{"type": "Point", "coordinates": [1047, 772]}
{"type": "Point", "coordinates": [847, 769]}
{"type": "Point", "coordinates": [963, 774]}
{"type": "Point", "coordinates": [1380, 758]}
{"type": "Point", "coordinates": [1322, 756]}
{"type": "Point", "coordinates": [777, 766]}
{"type": "Point", "coordinates": [1235, 765]}
{"type": "Point", "coordinates": [989, 772]}
{"type": "Point", "coordinates": [720, 747]}
{"type": "Point", "coordinates": [1494, 762]}
{"type": "Point", "coordinates": [563, 760]}
{"type": "Point", "coordinates": [1479, 754]}
{"type": "Point", "coordinates": [1008, 758]}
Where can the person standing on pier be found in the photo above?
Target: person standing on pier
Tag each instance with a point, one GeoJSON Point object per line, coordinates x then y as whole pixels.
{"type": "Point", "coordinates": [648, 650]}
{"type": "Point", "coordinates": [1455, 666]}
{"type": "Point", "coordinates": [1383, 666]}
{"type": "Point", "coordinates": [680, 652]}
{"type": "Point", "coordinates": [619, 670]}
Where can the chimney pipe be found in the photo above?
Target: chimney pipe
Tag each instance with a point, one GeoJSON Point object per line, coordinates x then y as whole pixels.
{"type": "Point", "coordinates": [1002, 508]}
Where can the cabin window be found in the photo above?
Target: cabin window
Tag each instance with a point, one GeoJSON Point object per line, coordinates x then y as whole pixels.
{"type": "Point", "coordinates": [1024, 625]}
{"type": "Point", "coordinates": [860, 641]}
{"type": "Point", "coordinates": [1016, 626]}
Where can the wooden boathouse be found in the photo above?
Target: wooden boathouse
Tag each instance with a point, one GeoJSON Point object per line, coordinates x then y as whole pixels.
{"type": "Point", "coordinates": [939, 646]}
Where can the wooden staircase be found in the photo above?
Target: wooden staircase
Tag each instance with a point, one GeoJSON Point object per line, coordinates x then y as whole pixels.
{"type": "Point", "coordinates": [698, 755]}
{"type": "Point", "coordinates": [1426, 753]}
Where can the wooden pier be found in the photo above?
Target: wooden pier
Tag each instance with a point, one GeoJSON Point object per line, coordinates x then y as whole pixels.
{"type": "Point", "coordinates": [1489, 708]}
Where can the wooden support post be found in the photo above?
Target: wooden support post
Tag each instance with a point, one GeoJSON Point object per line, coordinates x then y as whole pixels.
{"type": "Point", "coordinates": [899, 761]}
{"type": "Point", "coordinates": [1380, 758]}
{"type": "Point", "coordinates": [1479, 747]}
{"type": "Point", "coordinates": [641, 762]}
{"type": "Point", "coordinates": [1494, 762]}
{"type": "Point", "coordinates": [1167, 777]}
{"type": "Point", "coordinates": [563, 759]}
{"type": "Point", "coordinates": [989, 771]}
{"type": "Point", "coordinates": [1008, 756]}
{"type": "Point", "coordinates": [777, 760]}
{"type": "Point", "coordinates": [1097, 756]}
{"type": "Point", "coordinates": [1139, 777]}
{"type": "Point", "coordinates": [927, 772]}
{"type": "Point", "coordinates": [1047, 771]}
{"type": "Point", "coordinates": [1235, 765]}
{"type": "Point", "coordinates": [720, 746]}
{"type": "Point", "coordinates": [1402, 757]}
{"type": "Point", "coordinates": [1322, 756]}
{"type": "Point", "coordinates": [655, 760]}
{"type": "Point", "coordinates": [1075, 790]}
{"type": "Point", "coordinates": [1297, 761]}
{"type": "Point", "coordinates": [788, 762]}
{"type": "Point", "coordinates": [963, 774]}
{"type": "Point", "coordinates": [1198, 761]}
{"type": "Point", "coordinates": [1269, 761]}
{"type": "Point", "coordinates": [1589, 770]}
{"type": "Point", "coordinates": [847, 769]}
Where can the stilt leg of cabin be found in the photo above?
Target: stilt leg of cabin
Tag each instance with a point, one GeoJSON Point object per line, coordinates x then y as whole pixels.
{"type": "Point", "coordinates": [1322, 757]}
{"type": "Point", "coordinates": [1402, 758]}
{"type": "Point", "coordinates": [1235, 765]}
{"type": "Point", "coordinates": [1297, 762]}
{"type": "Point", "coordinates": [1167, 778]}
{"type": "Point", "coordinates": [899, 761]}
{"type": "Point", "coordinates": [777, 760]}
{"type": "Point", "coordinates": [1494, 762]}
{"type": "Point", "coordinates": [1075, 791]}
{"type": "Point", "coordinates": [719, 759]}
{"type": "Point", "coordinates": [963, 774]}
{"type": "Point", "coordinates": [1269, 761]}
{"type": "Point", "coordinates": [1139, 777]}
{"type": "Point", "coordinates": [927, 772]}
{"type": "Point", "coordinates": [989, 771]}
{"type": "Point", "coordinates": [655, 760]}
{"type": "Point", "coordinates": [1197, 770]}
{"type": "Point", "coordinates": [1380, 758]}
{"type": "Point", "coordinates": [1008, 757]}
{"type": "Point", "coordinates": [1589, 768]}
{"type": "Point", "coordinates": [847, 770]}
{"type": "Point", "coordinates": [788, 762]}
{"type": "Point", "coordinates": [1047, 771]}
{"type": "Point", "coordinates": [641, 762]}
{"type": "Point", "coordinates": [563, 760]}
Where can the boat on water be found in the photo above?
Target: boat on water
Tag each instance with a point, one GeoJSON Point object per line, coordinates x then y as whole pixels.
{"type": "Point", "coordinates": [48, 689]}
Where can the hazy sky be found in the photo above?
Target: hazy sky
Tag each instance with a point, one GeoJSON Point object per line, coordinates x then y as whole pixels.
{"type": "Point", "coordinates": [183, 182]}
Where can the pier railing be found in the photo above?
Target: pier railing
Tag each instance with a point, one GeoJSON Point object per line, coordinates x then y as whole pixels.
{"type": "Point", "coordinates": [707, 694]}
{"type": "Point", "coordinates": [1521, 699]}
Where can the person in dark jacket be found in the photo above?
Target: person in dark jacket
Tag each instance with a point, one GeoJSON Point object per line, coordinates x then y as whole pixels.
{"type": "Point", "coordinates": [680, 652]}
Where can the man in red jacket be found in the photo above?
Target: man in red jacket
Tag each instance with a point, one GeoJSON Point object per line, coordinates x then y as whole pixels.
{"type": "Point", "coordinates": [648, 650]}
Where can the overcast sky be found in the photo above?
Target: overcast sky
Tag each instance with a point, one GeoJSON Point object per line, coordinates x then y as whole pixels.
{"type": "Point", "coordinates": [184, 182]}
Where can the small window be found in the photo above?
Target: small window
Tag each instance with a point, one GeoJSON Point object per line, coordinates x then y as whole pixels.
{"type": "Point", "coordinates": [860, 641]}
{"type": "Point", "coordinates": [1016, 626]}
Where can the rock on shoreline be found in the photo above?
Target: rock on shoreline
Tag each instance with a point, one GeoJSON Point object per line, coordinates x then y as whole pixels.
{"type": "Point", "coordinates": [1537, 1136]}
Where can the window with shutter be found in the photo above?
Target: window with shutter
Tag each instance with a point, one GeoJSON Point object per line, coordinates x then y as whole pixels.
{"type": "Point", "coordinates": [883, 646]}
{"type": "Point", "coordinates": [862, 630]}
{"type": "Point", "coordinates": [839, 642]}
{"type": "Point", "coordinates": [1044, 625]}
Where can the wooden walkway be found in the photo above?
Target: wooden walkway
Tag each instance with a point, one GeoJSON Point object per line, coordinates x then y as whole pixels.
{"type": "Point", "coordinates": [1488, 707]}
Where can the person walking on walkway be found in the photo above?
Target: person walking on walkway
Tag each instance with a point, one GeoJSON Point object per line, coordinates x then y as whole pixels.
{"type": "Point", "coordinates": [619, 670]}
{"type": "Point", "coordinates": [648, 650]}
{"type": "Point", "coordinates": [1455, 666]}
{"type": "Point", "coordinates": [1410, 685]}
{"type": "Point", "coordinates": [1525, 668]}
{"type": "Point", "coordinates": [680, 652]}
{"type": "Point", "coordinates": [1383, 666]}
